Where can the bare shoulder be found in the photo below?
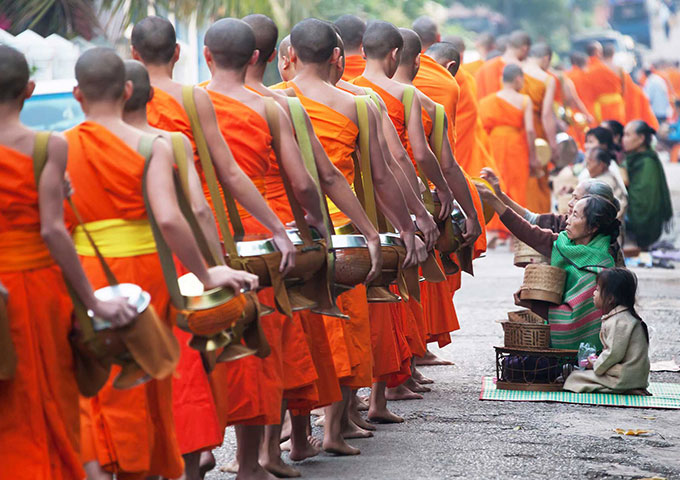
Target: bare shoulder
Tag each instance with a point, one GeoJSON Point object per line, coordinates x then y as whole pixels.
{"type": "Point", "coordinates": [57, 147]}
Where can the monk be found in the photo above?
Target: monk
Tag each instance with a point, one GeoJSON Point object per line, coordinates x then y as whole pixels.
{"type": "Point", "coordinates": [333, 112]}
{"type": "Point", "coordinates": [508, 118]}
{"type": "Point", "coordinates": [435, 78]}
{"type": "Point", "coordinates": [489, 75]}
{"type": "Point", "coordinates": [484, 44]}
{"type": "Point", "coordinates": [604, 88]}
{"type": "Point", "coordinates": [154, 44]}
{"type": "Point", "coordinates": [129, 432]}
{"type": "Point", "coordinates": [539, 85]}
{"type": "Point", "coordinates": [351, 29]}
{"type": "Point", "coordinates": [637, 104]}
{"type": "Point", "coordinates": [195, 435]}
{"type": "Point", "coordinates": [333, 184]}
{"type": "Point", "coordinates": [40, 427]}
{"type": "Point", "coordinates": [577, 75]}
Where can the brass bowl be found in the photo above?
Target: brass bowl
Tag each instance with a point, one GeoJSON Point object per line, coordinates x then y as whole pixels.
{"type": "Point", "coordinates": [352, 259]}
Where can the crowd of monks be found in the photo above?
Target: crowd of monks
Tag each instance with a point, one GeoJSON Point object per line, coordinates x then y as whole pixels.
{"type": "Point", "coordinates": [399, 106]}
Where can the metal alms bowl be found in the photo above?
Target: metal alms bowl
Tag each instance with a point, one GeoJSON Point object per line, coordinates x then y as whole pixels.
{"type": "Point", "coordinates": [137, 297]}
{"type": "Point", "coordinates": [197, 298]}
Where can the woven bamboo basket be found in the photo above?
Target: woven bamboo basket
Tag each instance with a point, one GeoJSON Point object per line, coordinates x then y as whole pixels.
{"type": "Point", "coordinates": [525, 255]}
{"type": "Point", "coordinates": [543, 282]}
{"type": "Point", "coordinates": [525, 329]}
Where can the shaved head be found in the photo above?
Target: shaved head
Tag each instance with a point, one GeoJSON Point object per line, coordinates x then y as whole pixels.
{"type": "Point", "coordinates": [443, 53]}
{"type": "Point", "coordinates": [101, 75]}
{"type": "Point", "coordinates": [578, 59]}
{"type": "Point", "coordinates": [412, 45]}
{"type": "Point", "coordinates": [593, 48]}
{"type": "Point", "coordinates": [486, 42]}
{"type": "Point", "coordinates": [231, 43]}
{"type": "Point", "coordinates": [154, 39]}
{"type": "Point", "coordinates": [519, 39]}
{"type": "Point", "coordinates": [427, 30]}
{"type": "Point", "coordinates": [14, 73]}
{"type": "Point", "coordinates": [511, 72]}
{"type": "Point", "coordinates": [313, 40]}
{"type": "Point", "coordinates": [283, 46]}
{"type": "Point", "coordinates": [540, 50]}
{"type": "Point", "coordinates": [502, 43]}
{"type": "Point", "coordinates": [266, 35]}
{"type": "Point", "coordinates": [136, 73]}
{"type": "Point", "coordinates": [351, 29]}
{"type": "Point", "coordinates": [380, 39]}
{"type": "Point", "coordinates": [457, 41]}
{"type": "Point", "coordinates": [608, 50]}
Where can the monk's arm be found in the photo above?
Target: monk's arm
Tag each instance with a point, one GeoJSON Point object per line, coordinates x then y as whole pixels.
{"type": "Point", "coordinates": [228, 171]}
{"type": "Point", "coordinates": [459, 186]}
{"type": "Point", "coordinates": [530, 130]}
{"type": "Point", "coordinates": [301, 181]}
{"type": "Point", "coordinates": [176, 230]}
{"type": "Point", "coordinates": [427, 161]}
{"type": "Point", "coordinates": [58, 240]}
{"type": "Point", "coordinates": [199, 204]}
{"type": "Point", "coordinates": [548, 114]}
{"type": "Point", "coordinates": [575, 100]}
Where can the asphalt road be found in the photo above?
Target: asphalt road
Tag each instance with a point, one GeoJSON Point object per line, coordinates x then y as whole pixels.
{"type": "Point", "coordinates": [452, 434]}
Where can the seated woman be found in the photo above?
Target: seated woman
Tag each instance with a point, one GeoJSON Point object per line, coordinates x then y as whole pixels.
{"type": "Point", "coordinates": [623, 365]}
{"type": "Point", "coordinates": [649, 201]}
{"type": "Point", "coordinates": [586, 246]}
{"type": "Point", "coordinates": [597, 162]}
{"type": "Point", "coordinates": [603, 138]}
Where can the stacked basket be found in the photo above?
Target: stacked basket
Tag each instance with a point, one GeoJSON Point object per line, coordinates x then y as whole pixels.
{"type": "Point", "coordinates": [525, 329]}
{"type": "Point", "coordinates": [525, 255]}
{"type": "Point", "coordinates": [544, 283]}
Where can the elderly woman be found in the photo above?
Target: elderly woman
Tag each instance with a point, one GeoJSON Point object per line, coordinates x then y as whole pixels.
{"type": "Point", "coordinates": [597, 163]}
{"type": "Point", "coordinates": [649, 201]}
{"type": "Point", "coordinates": [586, 246]}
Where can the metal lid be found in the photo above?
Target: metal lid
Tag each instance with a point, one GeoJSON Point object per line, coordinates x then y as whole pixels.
{"type": "Point", "coordinates": [348, 241]}
{"type": "Point", "coordinates": [136, 297]}
{"type": "Point", "coordinates": [197, 298]}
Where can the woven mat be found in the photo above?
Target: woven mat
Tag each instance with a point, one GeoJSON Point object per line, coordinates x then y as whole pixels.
{"type": "Point", "coordinates": [664, 395]}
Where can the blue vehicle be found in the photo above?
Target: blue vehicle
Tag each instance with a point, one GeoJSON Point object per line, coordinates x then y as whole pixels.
{"type": "Point", "coordinates": [631, 17]}
{"type": "Point", "coordinates": [52, 106]}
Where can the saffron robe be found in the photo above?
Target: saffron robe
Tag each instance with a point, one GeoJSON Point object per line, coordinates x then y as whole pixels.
{"type": "Point", "coordinates": [490, 77]}
{"type": "Point", "coordinates": [354, 66]}
{"type": "Point", "coordinates": [604, 89]}
{"type": "Point", "coordinates": [132, 430]}
{"type": "Point", "coordinates": [40, 423]}
{"type": "Point", "coordinates": [637, 103]}
{"type": "Point", "coordinates": [473, 67]}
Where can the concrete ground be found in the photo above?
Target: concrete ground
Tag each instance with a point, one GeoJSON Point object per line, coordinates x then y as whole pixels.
{"type": "Point", "coordinates": [452, 434]}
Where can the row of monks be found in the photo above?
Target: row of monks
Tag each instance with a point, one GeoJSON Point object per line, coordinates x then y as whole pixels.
{"type": "Point", "coordinates": [422, 121]}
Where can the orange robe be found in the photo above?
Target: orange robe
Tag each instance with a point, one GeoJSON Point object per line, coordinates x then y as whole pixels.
{"type": "Point", "coordinates": [193, 397]}
{"type": "Point", "coordinates": [637, 104]}
{"type": "Point", "coordinates": [260, 381]}
{"type": "Point", "coordinates": [354, 66]}
{"type": "Point", "coordinates": [489, 77]}
{"type": "Point", "coordinates": [538, 190]}
{"type": "Point", "coordinates": [473, 67]}
{"type": "Point", "coordinates": [40, 425]}
{"type": "Point", "coordinates": [391, 351]}
{"type": "Point", "coordinates": [505, 124]}
{"type": "Point", "coordinates": [350, 340]}
{"type": "Point", "coordinates": [604, 92]}
{"type": "Point", "coordinates": [124, 430]}
{"type": "Point", "coordinates": [578, 77]}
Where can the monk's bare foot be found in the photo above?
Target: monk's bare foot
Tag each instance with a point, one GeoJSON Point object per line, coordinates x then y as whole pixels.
{"type": "Point", "coordinates": [285, 446]}
{"type": "Point", "coordinates": [359, 421]}
{"type": "Point", "coordinates": [206, 463]}
{"type": "Point", "coordinates": [420, 378]}
{"type": "Point", "coordinates": [256, 473]}
{"type": "Point", "coordinates": [416, 387]}
{"type": "Point", "coordinates": [311, 449]}
{"type": "Point", "coordinates": [401, 393]}
{"type": "Point", "coordinates": [431, 359]}
{"type": "Point", "coordinates": [352, 430]}
{"type": "Point", "coordinates": [383, 415]}
{"type": "Point", "coordinates": [280, 469]}
{"type": "Point", "coordinates": [321, 421]}
{"type": "Point", "coordinates": [339, 448]}
{"type": "Point", "coordinates": [286, 427]}
{"type": "Point", "coordinates": [231, 467]}
{"type": "Point", "coordinates": [318, 412]}
{"type": "Point", "coordinates": [361, 403]}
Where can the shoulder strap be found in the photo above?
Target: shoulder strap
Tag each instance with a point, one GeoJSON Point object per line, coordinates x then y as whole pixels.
{"type": "Point", "coordinates": [272, 114]}
{"type": "Point", "coordinates": [364, 163]}
{"type": "Point", "coordinates": [304, 141]}
{"type": "Point", "coordinates": [438, 130]}
{"type": "Point", "coordinates": [183, 192]}
{"type": "Point", "coordinates": [209, 172]}
{"type": "Point", "coordinates": [407, 100]}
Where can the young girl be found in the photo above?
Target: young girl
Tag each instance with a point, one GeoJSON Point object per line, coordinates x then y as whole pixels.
{"type": "Point", "coordinates": [623, 365]}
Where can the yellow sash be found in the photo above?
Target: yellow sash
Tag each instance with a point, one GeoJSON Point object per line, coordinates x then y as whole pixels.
{"type": "Point", "coordinates": [116, 238]}
{"type": "Point", "coordinates": [606, 99]}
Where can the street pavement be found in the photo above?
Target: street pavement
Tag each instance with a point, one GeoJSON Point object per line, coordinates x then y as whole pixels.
{"type": "Point", "coordinates": [452, 434]}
